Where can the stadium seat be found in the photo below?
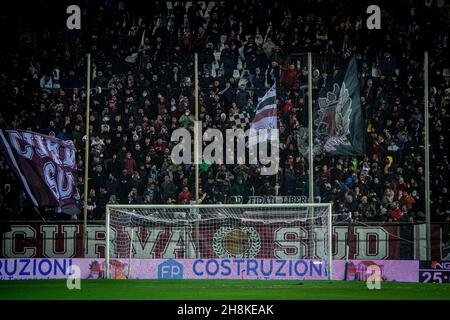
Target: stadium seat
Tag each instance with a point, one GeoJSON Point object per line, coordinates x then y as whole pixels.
{"type": "Point", "coordinates": [241, 53]}
{"type": "Point", "coordinates": [242, 82]}
{"type": "Point", "coordinates": [202, 5]}
{"type": "Point", "coordinates": [216, 64]}
{"type": "Point", "coordinates": [211, 5]}
{"type": "Point", "coordinates": [259, 39]}
{"type": "Point", "coordinates": [169, 6]}
{"type": "Point", "coordinates": [245, 74]}
{"type": "Point", "coordinates": [239, 64]}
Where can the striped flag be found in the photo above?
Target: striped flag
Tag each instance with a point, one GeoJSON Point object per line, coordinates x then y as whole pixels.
{"type": "Point", "coordinates": [265, 119]}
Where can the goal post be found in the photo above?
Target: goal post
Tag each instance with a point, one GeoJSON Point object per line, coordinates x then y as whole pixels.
{"type": "Point", "coordinates": [225, 231]}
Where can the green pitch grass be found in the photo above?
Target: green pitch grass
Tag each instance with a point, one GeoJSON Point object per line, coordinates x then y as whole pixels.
{"type": "Point", "coordinates": [219, 289]}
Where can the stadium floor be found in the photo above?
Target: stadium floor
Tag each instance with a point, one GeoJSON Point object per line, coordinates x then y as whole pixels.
{"type": "Point", "coordinates": [219, 289]}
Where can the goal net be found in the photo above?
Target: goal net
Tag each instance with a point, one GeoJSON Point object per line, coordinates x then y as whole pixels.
{"type": "Point", "coordinates": [269, 231]}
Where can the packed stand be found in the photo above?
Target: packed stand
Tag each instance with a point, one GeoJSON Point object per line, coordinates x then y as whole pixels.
{"type": "Point", "coordinates": [142, 90]}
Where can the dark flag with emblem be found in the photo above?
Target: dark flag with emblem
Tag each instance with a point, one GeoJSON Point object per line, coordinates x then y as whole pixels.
{"type": "Point", "coordinates": [339, 123]}
{"type": "Point", "coordinates": [46, 167]}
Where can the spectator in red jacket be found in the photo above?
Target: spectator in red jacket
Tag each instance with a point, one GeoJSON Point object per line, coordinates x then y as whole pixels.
{"type": "Point", "coordinates": [394, 213]}
{"type": "Point", "coordinates": [287, 106]}
{"type": "Point", "coordinates": [129, 163]}
{"type": "Point", "coordinates": [185, 196]}
{"type": "Point", "coordinates": [290, 77]}
{"type": "Point", "coordinates": [160, 146]}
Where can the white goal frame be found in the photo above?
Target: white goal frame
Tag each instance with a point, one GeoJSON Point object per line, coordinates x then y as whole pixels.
{"type": "Point", "coordinates": [196, 208]}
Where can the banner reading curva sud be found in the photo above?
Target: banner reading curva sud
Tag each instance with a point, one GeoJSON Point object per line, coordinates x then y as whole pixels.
{"type": "Point", "coordinates": [64, 240]}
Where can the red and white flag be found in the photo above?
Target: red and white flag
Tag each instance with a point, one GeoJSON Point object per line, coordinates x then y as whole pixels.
{"type": "Point", "coordinates": [264, 124]}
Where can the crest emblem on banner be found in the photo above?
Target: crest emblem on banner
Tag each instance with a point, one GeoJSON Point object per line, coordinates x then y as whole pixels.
{"type": "Point", "coordinates": [333, 122]}
{"type": "Point", "coordinates": [231, 242]}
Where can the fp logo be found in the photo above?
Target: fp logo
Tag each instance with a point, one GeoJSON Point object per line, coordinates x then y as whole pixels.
{"type": "Point", "coordinates": [170, 269]}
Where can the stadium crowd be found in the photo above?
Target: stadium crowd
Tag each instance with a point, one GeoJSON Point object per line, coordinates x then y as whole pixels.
{"type": "Point", "coordinates": [142, 89]}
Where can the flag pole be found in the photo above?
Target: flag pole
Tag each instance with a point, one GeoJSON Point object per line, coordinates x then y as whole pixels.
{"type": "Point", "coordinates": [427, 157]}
{"type": "Point", "coordinates": [196, 142]}
{"type": "Point", "coordinates": [310, 132]}
{"type": "Point", "coordinates": [86, 155]}
{"type": "Point", "coordinates": [197, 139]}
{"type": "Point", "coordinates": [277, 176]}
